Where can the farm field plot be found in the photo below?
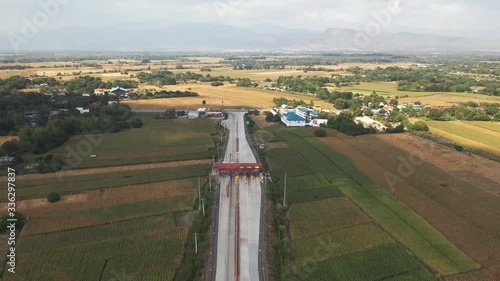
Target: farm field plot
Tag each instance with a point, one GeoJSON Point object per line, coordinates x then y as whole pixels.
{"type": "Point", "coordinates": [333, 234]}
{"type": "Point", "coordinates": [72, 184]}
{"type": "Point", "coordinates": [230, 94]}
{"type": "Point", "coordinates": [142, 249]}
{"type": "Point", "coordinates": [315, 218]}
{"type": "Point", "coordinates": [387, 262]}
{"type": "Point", "coordinates": [477, 171]}
{"type": "Point", "coordinates": [396, 218]}
{"type": "Point", "coordinates": [460, 201]}
{"type": "Point", "coordinates": [95, 199]}
{"type": "Point", "coordinates": [105, 170]}
{"type": "Point", "coordinates": [481, 136]}
{"type": "Point", "coordinates": [433, 98]}
{"type": "Point", "coordinates": [109, 214]}
{"type": "Point", "coordinates": [156, 141]}
{"type": "Point", "coordinates": [293, 161]}
{"type": "Point", "coordinates": [304, 184]}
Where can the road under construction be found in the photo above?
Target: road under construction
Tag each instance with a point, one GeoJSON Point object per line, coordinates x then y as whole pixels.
{"type": "Point", "coordinates": [238, 230]}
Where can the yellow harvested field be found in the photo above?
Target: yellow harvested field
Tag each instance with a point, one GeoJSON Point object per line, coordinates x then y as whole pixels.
{"type": "Point", "coordinates": [479, 136]}
{"type": "Point", "coordinates": [233, 96]}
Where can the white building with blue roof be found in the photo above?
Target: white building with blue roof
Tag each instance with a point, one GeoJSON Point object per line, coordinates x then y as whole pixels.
{"type": "Point", "coordinates": [302, 117]}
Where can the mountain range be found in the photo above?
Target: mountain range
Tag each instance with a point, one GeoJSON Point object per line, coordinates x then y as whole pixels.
{"type": "Point", "coordinates": [196, 36]}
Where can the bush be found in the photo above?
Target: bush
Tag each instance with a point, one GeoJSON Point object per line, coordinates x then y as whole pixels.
{"type": "Point", "coordinates": [136, 123]}
{"type": "Point", "coordinates": [217, 83]}
{"type": "Point", "coordinates": [54, 197]}
{"type": "Point", "coordinates": [419, 126]}
{"type": "Point", "coordinates": [120, 125]}
{"type": "Point", "coordinates": [497, 117]}
{"type": "Point", "coordinates": [458, 147]}
{"type": "Point", "coordinates": [320, 133]}
{"type": "Point", "coordinates": [397, 130]}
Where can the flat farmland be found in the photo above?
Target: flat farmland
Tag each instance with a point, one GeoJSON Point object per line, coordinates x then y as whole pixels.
{"type": "Point", "coordinates": [29, 188]}
{"type": "Point", "coordinates": [334, 239]}
{"type": "Point", "coordinates": [478, 135]}
{"type": "Point", "coordinates": [95, 199]}
{"type": "Point", "coordinates": [232, 95]}
{"type": "Point", "coordinates": [389, 89]}
{"type": "Point", "coordinates": [475, 170]}
{"type": "Point", "coordinates": [304, 183]}
{"type": "Point", "coordinates": [453, 193]}
{"type": "Point", "coordinates": [157, 141]}
{"type": "Point", "coordinates": [160, 198]}
{"type": "Point", "coordinates": [394, 217]}
{"type": "Point", "coordinates": [133, 232]}
{"type": "Point", "coordinates": [146, 249]}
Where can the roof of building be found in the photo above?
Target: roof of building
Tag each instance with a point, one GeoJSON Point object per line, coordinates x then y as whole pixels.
{"type": "Point", "coordinates": [294, 117]}
{"type": "Point", "coordinates": [305, 110]}
{"type": "Point", "coordinates": [119, 89]}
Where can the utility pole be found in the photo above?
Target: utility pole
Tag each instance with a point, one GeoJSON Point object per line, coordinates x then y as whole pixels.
{"type": "Point", "coordinates": [196, 243]}
{"type": "Point", "coordinates": [284, 193]}
{"type": "Point", "coordinates": [199, 194]}
{"type": "Point", "coordinates": [203, 206]}
{"type": "Point", "coordinates": [210, 182]}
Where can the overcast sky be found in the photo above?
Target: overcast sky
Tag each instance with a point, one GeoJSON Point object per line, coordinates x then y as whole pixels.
{"type": "Point", "coordinates": [455, 17]}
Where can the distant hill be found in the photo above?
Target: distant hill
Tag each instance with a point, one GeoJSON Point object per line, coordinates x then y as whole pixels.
{"type": "Point", "coordinates": [195, 36]}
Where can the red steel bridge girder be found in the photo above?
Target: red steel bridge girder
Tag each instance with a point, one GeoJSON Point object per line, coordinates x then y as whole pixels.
{"type": "Point", "coordinates": [239, 167]}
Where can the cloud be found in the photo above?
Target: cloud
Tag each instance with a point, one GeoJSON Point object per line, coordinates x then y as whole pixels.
{"type": "Point", "coordinates": [448, 10]}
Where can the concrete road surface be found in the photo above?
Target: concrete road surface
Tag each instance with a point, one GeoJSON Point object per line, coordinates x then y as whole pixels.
{"type": "Point", "coordinates": [239, 211]}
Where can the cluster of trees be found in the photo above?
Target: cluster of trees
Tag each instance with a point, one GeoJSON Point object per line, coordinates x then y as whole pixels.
{"type": "Point", "coordinates": [303, 85]}
{"type": "Point", "coordinates": [245, 82]}
{"type": "Point", "coordinates": [13, 108]}
{"type": "Point", "coordinates": [278, 102]}
{"type": "Point", "coordinates": [157, 77]}
{"type": "Point", "coordinates": [41, 139]}
{"type": "Point", "coordinates": [14, 67]}
{"type": "Point", "coordinates": [270, 117]}
{"type": "Point", "coordinates": [166, 94]}
{"type": "Point", "coordinates": [474, 66]}
{"type": "Point", "coordinates": [12, 84]}
{"type": "Point", "coordinates": [247, 64]}
{"type": "Point", "coordinates": [164, 77]}
{"type": "Point", "coordinates": [87, 84]}
{"type": "Point", "coordinates": [217, 83]}
{"type": "Point", "coordinates": [429, 79]}
{"type": "Point", "coordinates": [344, 122]}
{"type": "Point", "coordinates": [168, 114]}
{"type": "Point", "coordinates": [461, 112]}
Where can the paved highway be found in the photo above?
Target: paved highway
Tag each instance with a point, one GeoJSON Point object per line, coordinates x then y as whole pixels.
{"type": "Point", "coordinates": [239, 211]}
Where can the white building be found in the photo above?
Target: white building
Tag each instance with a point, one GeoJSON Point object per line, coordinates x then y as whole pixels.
{"type": "Point", "coordinates": [83, 110]}
{"type": "Point", "coordinates": [302, 117]}
{"type": "Point", "coordinates": [193, 115]}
